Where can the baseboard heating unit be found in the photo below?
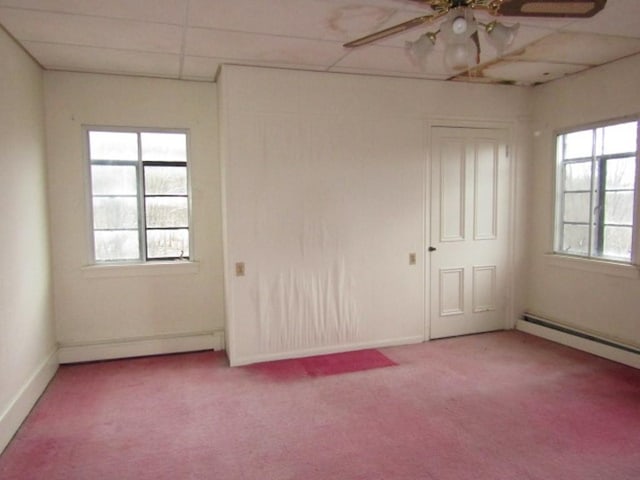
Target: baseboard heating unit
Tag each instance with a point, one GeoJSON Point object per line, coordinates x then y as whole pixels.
{"type": "Point", "coordinates": [590, 343]}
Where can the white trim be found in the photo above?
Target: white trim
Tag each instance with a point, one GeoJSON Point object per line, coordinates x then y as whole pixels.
{"type": "Point", "coordinates": [557, 223]}
{"type": "Point", "coordinates": [148, 269]}
{"type": "Point", "coordinates": [611, 353]}
{"type": "Point", "coordinates": [26, 397]}
{"type": "Point", "coordinates": [269, 357]}
{"type": "Point", "coordinates": [138, 347]}
{"type": "Point", "coordinates": [592, 265]}
{"type": "Point", "coordinates": [508, 126]}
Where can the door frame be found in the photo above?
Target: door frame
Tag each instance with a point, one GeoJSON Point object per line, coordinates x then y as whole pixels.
{"type": "Point", "coordinates": [512, 161]}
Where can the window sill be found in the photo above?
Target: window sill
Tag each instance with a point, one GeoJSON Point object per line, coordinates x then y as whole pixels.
{"type": "Point", "coordinates": [592, 265]}
{"type": "Point", "coordinates": [150, 269]}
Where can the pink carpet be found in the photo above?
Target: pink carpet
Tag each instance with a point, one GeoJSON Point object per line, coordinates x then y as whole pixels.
{"type": "Point", "coordinates": [494, 406]}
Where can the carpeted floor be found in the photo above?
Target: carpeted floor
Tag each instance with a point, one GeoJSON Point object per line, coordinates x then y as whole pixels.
{"type": "Point", "coordinates": [494, 406]}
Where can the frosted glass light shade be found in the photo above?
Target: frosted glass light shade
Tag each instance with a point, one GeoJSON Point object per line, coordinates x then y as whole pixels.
{"type": "Point", "coordinates": [419, 50]}
{"type": "Point", "coordinates": [459, 26]}
{"type": "Point", "coordinates": [501, 36]}
{"type": "Point", "coordinates": [460, 56]}
{"type": "Point", "coordinates": [460, 50]}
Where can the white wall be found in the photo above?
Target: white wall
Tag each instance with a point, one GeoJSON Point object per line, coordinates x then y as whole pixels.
{"type": "Point", "coordinates": [133, 310]}
{"type": "Point", "coordinates": [325, 179]}
{"type": "Point", "coordinates": [27, 340]}
{"type": "Point", "coordinates": [600, 302]}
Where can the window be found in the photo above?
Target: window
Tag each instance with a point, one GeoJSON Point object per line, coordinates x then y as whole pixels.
{"type": "Point", "coordinates": [595, 195]}
{"type": "Point", "coordinates": [139, 194]}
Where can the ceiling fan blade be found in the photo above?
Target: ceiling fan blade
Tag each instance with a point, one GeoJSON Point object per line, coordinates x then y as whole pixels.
{"type": "Point", "coordinates": [551, 8]}
{"type": "Point", "coordinates": [387, 32]}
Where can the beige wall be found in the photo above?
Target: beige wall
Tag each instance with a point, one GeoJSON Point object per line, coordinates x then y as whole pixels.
{"type": "Point", "coordinates": [605, 301]}
{"type": "Point", "coordinates": [97, 308]}
{"type": "Point", "coordinates": [327, 191]}
{"type": "Point", "coordinates": [27, 341]}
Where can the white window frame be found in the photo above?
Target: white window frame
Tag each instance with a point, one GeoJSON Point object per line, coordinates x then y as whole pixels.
{"type": "Point", "coordinates": [140, 195]}
{"type": "Point", "coordinates": [596, 260]}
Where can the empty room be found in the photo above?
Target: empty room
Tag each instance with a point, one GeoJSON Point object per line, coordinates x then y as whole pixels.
{"type": "Point", "coordinates": [320, 239]}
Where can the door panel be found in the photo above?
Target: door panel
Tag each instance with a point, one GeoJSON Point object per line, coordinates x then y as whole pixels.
{"type": "Point", "coordinates": [469, 231]}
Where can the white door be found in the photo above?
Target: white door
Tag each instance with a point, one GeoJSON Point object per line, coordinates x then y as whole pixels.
{"type": "Point", "coordinates": [469, 230]}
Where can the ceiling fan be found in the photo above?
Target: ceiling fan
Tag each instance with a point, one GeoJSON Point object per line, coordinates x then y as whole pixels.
{"type": "Point", "coordinates": [459, 27]}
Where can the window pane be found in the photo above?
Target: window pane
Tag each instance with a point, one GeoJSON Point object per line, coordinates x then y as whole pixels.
{"type": "Point", "coordinates": [113, 146]}
{"type": "Point", "coordinates": [618, 208]}
{"type": "Point", "coordinates": [164, 146]}
{"type": "Point", "coordinates": [116, 245]}
{"type": "Point", "coordinates": [115, 213]}
{"type": "Point", "coordinates": [576, 239]}
{"type": "Point", "coordinates": [167, 212]}
{"type": "Point", "coordinates": [621, 173]}
{"type": "Point", "coordinates": [578, 144]}
{"type": "Point", "coordinates": [576, 207]}
{"type": "Point", "coordinates": [577, 176]}
{"type": "Point", "coordinates": [617, 242]}
{"type": "Point", "coordinates": [165, 180]}
{"type": "Point", "coordinates": [620, 138]}
{"type": "Point", "coordinates": [113, 180]}
{"type": "Point", "coordinates": [167, 243]}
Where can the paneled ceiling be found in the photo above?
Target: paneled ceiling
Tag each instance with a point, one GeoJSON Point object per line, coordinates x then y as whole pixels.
{"type": "Point", "coordinates": [189, 39]}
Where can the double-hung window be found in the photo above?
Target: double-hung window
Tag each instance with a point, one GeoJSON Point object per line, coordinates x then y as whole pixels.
{"type": "Point", "coordinates": [596, 199]}
{"type": "Point", "coordinates": [139, 194]}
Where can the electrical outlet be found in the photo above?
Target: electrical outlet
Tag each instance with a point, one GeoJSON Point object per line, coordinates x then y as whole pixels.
{"type": "Point", "coordinates": [412, 259]}
{"type": "Point", "coordinates": [240, 269]}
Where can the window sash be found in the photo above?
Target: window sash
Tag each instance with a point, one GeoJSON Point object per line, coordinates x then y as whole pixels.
{"type": "Point", "coordinates": [597, 224]}
{"type": "Point", "coordinates": [142, 228]}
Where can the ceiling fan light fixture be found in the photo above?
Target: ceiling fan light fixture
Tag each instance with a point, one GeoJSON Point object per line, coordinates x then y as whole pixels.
{"type": "Point", "coordinates": [419, 50]}
{"type": "Point", "coordinates": [459, 26]}
{"type": "Point", "coordinates": [460, 56]}
{"type": "Point", "coordinates": [501, 36]}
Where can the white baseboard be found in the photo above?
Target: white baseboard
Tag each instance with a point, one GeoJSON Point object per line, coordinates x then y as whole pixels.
{"type": "Point", "coordinates": [139, 347]}
{"type": "Point", "coordinates": [26, 398]}
{"type": "Point", "coordinates": [591, 346]}
{"type": "Point", "coordinates": [269, 357]}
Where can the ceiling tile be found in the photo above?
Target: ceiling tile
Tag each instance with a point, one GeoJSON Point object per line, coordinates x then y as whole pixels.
{"type": "Point", "coordinates": [314, 19]}
{"type": "Point", "coordinates": [200, 68]}
{"type": "Point", "coordinates": [578, 48]}
{"type": "Point", "coordinates": [91, 31]}
{"type": "Point", "coordinates": [526, 35]}
{"type": "Point", "coordinates": [391, 59]}
{"type": "Point", "coordinates": [71, 57]}
{"type": "Point", "coordinates": [162, 11]}
{"type": "Point", "coordinates": [269, 48]}
{"type": "Point", "coordinates": [619, 17]}
{"type": "Point", "coordinates": [388, 73]}
{"type": "Point", "coordinates": [527, 72]}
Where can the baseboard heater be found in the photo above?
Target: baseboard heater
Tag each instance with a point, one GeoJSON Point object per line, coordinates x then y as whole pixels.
{"type": "Point", "coordinates": [545, 323]}
{"type": "Point", "coordinates": [618, 352]}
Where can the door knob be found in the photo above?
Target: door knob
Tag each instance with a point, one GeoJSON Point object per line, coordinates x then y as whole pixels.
{"type": "Point", "coordinates": [432, 249]}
